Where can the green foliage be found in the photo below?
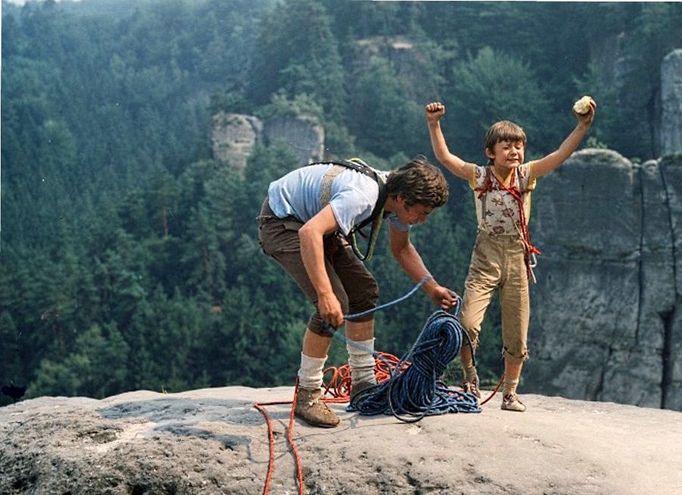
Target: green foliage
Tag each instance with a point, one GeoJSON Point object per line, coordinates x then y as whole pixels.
{"type": "Point", "coordinates": [491, 87]}
{"type": "Point", "coordinates": [97, 367]}
{"type": "Point", "coordinates": [298, 53]}
{"type": "Point", "coordinates": [130, 258]}
{"type": "Point", "coordinates": [281, 105]}
{"type": "Point", "coordinates": [384, 120]}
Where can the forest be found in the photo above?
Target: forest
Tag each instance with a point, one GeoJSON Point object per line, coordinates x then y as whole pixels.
{"type": "Point", "coordinates": [129, 256]}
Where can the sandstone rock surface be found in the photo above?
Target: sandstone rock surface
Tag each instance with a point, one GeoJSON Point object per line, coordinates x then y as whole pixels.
{"type": "Point", "coordinates": [606, 312]}
{"type": "Point", "coordinates": [234, 137]}
{"type": "Point", "coordinates": [213, 441]}
{"type": "Point", "coordinates": [671, 102]}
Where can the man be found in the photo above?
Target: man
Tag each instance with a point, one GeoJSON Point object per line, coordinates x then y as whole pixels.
{"type": "Point", "coordinates": [307, 224]}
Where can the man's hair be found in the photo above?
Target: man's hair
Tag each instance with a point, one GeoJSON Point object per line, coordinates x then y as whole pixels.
{"type": "Point", "coordinates": [418, 182]}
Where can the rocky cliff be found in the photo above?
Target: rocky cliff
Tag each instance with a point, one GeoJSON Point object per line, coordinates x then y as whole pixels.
{"type": "Point", "coordinates": [607, 308]}
{"type": "Point", "coordinates": [234, 136]}
{"type": "Point", "coordinates": [671, 103]}
{"type": "Point", "coordinates": [214, 441]}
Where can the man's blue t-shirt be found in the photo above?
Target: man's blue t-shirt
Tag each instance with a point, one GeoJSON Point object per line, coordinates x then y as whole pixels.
{"type": "Point", "coordinates": [353, 196]}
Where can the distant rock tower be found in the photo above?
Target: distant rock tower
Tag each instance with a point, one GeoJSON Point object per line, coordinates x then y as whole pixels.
{"type": "Point", "coordinates": [234, 137]}
{"type": "Point", "coordinates": [303, 134]}
{"type": "Point", "coordinates": [671, 100]}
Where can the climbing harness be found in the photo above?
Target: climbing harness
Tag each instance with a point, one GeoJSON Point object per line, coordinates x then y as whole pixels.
{"type": "Point", "coordinates": [377, 214]}
{"type": "Point", "coordinates": [518, 196]}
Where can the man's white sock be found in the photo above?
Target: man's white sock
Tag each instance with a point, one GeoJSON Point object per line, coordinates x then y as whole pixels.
{"type": "Point", "coordinates": [310, 372]}
{"type": "Point", "coordinates": [361, 360]}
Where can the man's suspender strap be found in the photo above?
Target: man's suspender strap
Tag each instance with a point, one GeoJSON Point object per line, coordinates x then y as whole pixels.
{"type": "Point", "coordinates": [377, 213]}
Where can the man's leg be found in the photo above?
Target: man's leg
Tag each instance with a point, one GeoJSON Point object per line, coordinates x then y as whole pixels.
{"type": "Point", "coordinates": [309, 404]}
{"type": "Point", "coordinates": [363, 293]}
{"type": "Point", "coordinates": [279, 239]}
{"type": "Point", "coordinates": [360, 346]}
{"type": "Point", "coordinates": [313, 358]}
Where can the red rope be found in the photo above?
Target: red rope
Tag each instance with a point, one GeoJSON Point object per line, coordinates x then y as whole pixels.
{"type": "Point", "coordinates": [517, 196]}
{"type": "Point", "coordinates": [271, 438]}
{"type": "Point", "coordinates": [290, 440]}
{"type": "Point", "coordinates": [292, 444]}
{"type": "Point", "coordinates": [497, 387]}
{"type": "Point", "coordinates": [339, 384]}
{"type": "Point", "coordinates": [337, 391]}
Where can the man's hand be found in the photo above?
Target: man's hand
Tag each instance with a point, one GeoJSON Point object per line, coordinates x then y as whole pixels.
{"type": "Point", "coordinates": [443, 297]}
{"type": "Point", "coordinates": [330, 309]}
{"type": "Point", "coordinates": [434, 111]}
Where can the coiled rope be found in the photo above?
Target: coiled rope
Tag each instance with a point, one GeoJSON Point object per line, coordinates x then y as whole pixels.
{"type": "Point", "coordinates": [414, 390]}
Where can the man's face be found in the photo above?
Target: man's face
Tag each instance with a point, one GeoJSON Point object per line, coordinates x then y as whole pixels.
{"type": "Point", "coordinates": [410, 215]}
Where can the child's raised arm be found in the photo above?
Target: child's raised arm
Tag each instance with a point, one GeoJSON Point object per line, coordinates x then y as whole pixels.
{"type": "Point", "coordinates": [555, 158]}
{"type": "Point", "coordinates": [462, 169]}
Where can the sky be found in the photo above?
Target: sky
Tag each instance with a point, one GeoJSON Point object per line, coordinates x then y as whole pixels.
{"type": "Point", "coordinates": [22, 2]}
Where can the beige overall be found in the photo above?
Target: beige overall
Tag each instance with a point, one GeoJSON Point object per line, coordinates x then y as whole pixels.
{"type": "Point", "coordinates": [499, 262]}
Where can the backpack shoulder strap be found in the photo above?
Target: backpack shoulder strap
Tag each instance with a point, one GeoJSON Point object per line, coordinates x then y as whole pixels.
{"type": "Point", "coordinates": [359, 166]}
{"type": "Point", "coordinates": [377, 212]}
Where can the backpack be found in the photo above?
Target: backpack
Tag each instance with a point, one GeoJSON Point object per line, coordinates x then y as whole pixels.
{"type": "Point", "coordinates": [377, 213]}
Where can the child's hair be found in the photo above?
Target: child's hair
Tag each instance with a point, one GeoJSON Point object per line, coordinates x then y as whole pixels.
{"type": "Point", "coordinates": [418, 182]}
{"type": "Point", "coordinates": [504, 130]}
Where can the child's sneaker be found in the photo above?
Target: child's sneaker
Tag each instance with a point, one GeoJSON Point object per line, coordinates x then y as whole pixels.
{"type": "Point", "coordinates": [511, 402]}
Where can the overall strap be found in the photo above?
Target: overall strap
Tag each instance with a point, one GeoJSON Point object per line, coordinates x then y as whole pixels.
{"type": "Point", "coordinates": [531, 250]}
{"type": "Point", "coordinates": [519, 196]}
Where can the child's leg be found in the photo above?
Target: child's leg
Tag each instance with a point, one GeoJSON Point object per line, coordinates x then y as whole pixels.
{"type": "Point", "coordinates": [483, 278]}
{"type": "Point", "coordinates": [515, 307]}
{"type": "Point", "coordinates": [512, 375]}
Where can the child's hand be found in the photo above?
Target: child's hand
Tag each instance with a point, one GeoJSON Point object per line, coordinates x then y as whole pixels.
{"type": "Point", "coordinates": [586, 117]}
{"type": "Point", "coordinates": [434, 111]}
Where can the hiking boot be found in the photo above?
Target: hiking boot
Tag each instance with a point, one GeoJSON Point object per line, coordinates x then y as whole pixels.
{"type": "Point", "coordinates": [471, 387]}
{"type": "Point", "coordinates": [311, 408]}
{"type": "Point", "coordinates": [511, 402]}
{"type": "Point", "coordinates": [356, 388]}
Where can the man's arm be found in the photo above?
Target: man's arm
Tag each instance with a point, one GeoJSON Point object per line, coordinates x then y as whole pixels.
{"type": "Point", "coordinates": [552, 161]}
{"type": "Point", "coordinates": [411, 262]}
{"type": "Point", "coordinates": [311, 235]}
{"type": "Point", "coordinates": [434, 112]}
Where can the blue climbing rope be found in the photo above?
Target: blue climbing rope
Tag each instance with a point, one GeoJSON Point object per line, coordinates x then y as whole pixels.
{"type": "Point", "coordinates": [414, 389]}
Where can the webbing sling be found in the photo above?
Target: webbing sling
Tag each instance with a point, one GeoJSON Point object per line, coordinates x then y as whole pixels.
{"type": "Point", "coordinates": [377, 213]}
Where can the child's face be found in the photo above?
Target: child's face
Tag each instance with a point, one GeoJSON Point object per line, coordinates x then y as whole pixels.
{"type": "Point", "coordinates": [507, 154]}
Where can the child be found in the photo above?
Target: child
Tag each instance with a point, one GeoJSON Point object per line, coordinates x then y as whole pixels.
{"type": "Point", "coordinates": [503, 254]}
